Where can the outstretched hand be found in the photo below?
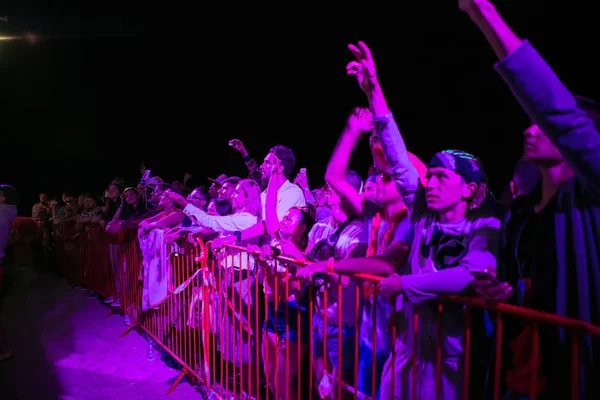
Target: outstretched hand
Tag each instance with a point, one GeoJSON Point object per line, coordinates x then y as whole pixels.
{"type": "Point", "coordinates": [363, 68]}
{"type": "Point", "coordinates": [360, 120]}
{"type": "Point", "coordinates": [239, 146]}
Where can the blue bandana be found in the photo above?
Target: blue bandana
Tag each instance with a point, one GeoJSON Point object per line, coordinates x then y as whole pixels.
{"type": "Point", "coordinates": [464, 164]}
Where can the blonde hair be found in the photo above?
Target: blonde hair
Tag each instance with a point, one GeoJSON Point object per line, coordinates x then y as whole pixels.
{"type": "Point", "coordinates": [253, 204]}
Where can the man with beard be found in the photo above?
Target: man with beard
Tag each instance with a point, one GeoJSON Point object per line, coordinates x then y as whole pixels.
{"type": "Point", "coordinates": [288, 194]}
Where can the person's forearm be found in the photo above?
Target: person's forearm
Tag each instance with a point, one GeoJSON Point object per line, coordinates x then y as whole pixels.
{"type": "Point", "coordinates": [271, 220]}
{"type": "Point", "coordinates": [254, 231]}
{"type": "Point", "coordinates": [424, 287]}
{"type": "Point", "coordinates": [340, 158]}
{"type": "Point", "coordinates": [310, 199]}
{"type": "Point", "coordinates": [380, 266]}
{"type": "Point", "coordinates": [497, 32]}
{"type": "Point", "coordinates": [171, 220]}
{"type": "Point", "coordinates": [377, 102]}
{"type": "Point", "coordinates": [154, 218]}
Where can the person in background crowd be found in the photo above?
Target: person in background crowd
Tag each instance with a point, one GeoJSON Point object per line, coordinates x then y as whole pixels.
{"type": "Point", "coordinates": [216, 185]}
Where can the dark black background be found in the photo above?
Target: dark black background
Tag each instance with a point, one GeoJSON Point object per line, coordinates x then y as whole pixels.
{"type": "Point", "coordinates": [107, 85]}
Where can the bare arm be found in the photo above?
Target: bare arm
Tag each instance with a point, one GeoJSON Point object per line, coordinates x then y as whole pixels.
{"type": "Point", "coordinates": [541, 93]}
{"type": "Point", "coordinates": [497, 32]}
{"type": "Point", "coordinates": [154, 218]}
{"type": "Point", "coordinates": [271, 220]}
{"type": "Point", "coordinates": [171, 220]}
{"type": "Point", "coordinates": [338, 167]}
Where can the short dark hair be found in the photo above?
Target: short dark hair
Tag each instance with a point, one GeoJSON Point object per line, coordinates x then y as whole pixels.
{"type": "Point", "coordinates": [10, 193]}
{"type": "Point", "coordinates": [287, 158]}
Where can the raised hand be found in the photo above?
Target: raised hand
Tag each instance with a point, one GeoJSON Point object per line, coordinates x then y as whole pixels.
{"type": "Point", "coordinates": [363, 68]}
{"type": "Point", "coordinates": [360, 120]}
{"type": "Point", "coordinates": [301, 180]}
{"type": "Point", "coordinates": [239, 146]}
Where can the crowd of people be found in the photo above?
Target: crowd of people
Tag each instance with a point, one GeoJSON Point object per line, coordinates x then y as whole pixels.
{"type": "Point", "coordinates": [430, 229]}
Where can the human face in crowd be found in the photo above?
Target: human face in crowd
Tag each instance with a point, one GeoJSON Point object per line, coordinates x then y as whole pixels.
{"type": "Point", "coordinates": [43, 198]}
{"type": "Point", "coordinates": [197, 199]}
{"type": "Point", "coordinates": [226, 191]}
{"type": "Point", "coordinates": [157, 194]}
{"type": "Point", "coordinates": [214, 190]}
{"type": "Point", "coordinates": [212, 208]}
{"type": "Point", "coordinates": [446, 190]}
{"type": "Point", "coordinates": [320, 197]}
{"type": "Point", "coordinates": [334, 202]}
{"type": "Point", "coordinates": [269, 162]}
{"type": "Point", "coordinates": [290, 224]}
{"type": "Point", "coordinates": [164, 202]}
{"type": "Point", "coordinates": [370, 191]}
{"type": "Point", "coordinates": [239, 198]}
{"type": "Point", "coordinates": [89, 203]}
{"type": "Point", "coordinates": [70, 201]}
{"type": "Point", "coordinates": [113, 192]}
{"type": "Point", "coordinates": [131, 197]}
{"type": "Point", "coordinates": [538, 149]}
{"type": "Point", "coordinates": [386, 190]}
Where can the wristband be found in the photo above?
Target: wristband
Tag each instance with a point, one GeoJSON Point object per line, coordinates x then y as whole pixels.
{"type": "Point", "coordinates": [330, 262]}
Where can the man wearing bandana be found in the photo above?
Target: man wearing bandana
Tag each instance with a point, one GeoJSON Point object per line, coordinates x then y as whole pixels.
{"type": "Point", "coordinates": [454, 236]}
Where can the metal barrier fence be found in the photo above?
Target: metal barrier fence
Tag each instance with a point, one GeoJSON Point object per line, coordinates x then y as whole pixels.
{"type": "Point", "coordinates": [242, 327]}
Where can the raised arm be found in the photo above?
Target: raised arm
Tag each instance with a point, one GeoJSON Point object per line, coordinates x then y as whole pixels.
{"type": "Point", "coordinates": [396, 156]}
{"type": "Point", "coordinates": [358, 123]}
{"type": "Point", "coordinates": [541, 93]}
{"type": "Point", "coordinates": [251, 164]}
{"type": "Point", "coordinates": [271, 219]}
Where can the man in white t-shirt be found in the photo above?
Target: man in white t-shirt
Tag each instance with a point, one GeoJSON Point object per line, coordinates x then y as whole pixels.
{"type": "Point", "coordinates": [288, 195]}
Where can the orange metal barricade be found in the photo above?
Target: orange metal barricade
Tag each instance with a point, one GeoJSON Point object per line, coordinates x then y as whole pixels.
{"type": "Point", "coordinates": [212, 321]}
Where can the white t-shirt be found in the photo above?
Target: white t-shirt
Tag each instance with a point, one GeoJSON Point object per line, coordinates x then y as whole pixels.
{"type": "Point", "coordinates": [289, 195]}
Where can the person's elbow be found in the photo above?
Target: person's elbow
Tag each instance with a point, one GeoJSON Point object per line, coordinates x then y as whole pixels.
{"type": "Point", "coordinates": [398, 254]}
